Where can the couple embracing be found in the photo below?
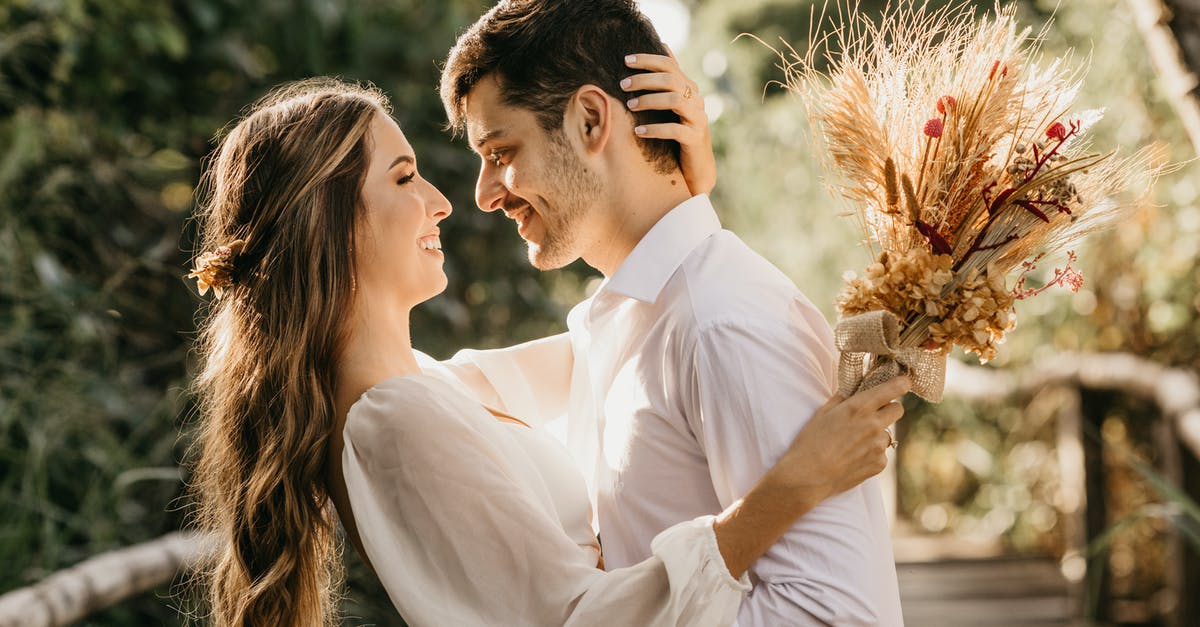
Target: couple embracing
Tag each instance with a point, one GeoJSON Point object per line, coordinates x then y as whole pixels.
{"type": "Point", "coordinates": [704, 475]}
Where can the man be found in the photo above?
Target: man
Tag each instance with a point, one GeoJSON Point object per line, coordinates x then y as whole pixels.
{"type": "Point", "coordinates": [696, 362]}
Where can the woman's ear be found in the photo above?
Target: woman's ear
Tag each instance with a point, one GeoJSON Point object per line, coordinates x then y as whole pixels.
{"type": "Point", "coordinates": [589, 118]}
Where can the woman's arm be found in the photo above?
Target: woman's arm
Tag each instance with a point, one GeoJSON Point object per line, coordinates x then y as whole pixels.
{"type": "Point", "coordinates": [460, 535]}
{"type": "Point", "coordinates": [457, 538]}
{"type": "Point", "coordinates": [843, 444]}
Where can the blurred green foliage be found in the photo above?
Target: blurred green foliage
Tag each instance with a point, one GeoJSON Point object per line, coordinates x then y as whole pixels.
{"type": "Point", "coordinates": [107, 108]}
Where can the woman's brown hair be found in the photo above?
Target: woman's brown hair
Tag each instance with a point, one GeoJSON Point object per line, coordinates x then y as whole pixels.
{"type": "Point", "coordinates": [286, 180]}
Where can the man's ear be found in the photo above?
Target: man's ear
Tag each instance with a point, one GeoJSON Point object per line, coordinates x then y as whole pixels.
{"type": "Point", "coordinates": [589, 118]}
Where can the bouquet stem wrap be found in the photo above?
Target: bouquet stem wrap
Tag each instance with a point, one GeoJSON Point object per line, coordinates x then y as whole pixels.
{"type": "Point", "coordinates": [875, 335]}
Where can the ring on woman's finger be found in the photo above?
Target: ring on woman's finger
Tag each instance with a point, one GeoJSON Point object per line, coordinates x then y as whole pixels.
{"type": "Point", "coordinates": [687, 92]}
{"type": "Point", "coordinates": [892, 441]}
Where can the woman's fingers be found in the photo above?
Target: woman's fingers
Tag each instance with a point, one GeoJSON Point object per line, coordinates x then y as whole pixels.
{"type": "Point", "coordinates": [667, 100]}
{"type": "Point", "coordinates": [653, 82]}
{"type": "Point", "coordinates": [891, 413]}
{"type": "Point", "coordinates": [669, 130]}
{"type": "Point", "coordinates": [881, 394]}
{"type": "Point", "coordinates": [674, 91]}
{"type": "Point", "coordinates": [833, 401]}
{"type": "Point", "coordinates": [885, 441]}
{"type": "Point", "coordinates": [652, 62]}
{"type": "Point", "coordinates": [663, 86]}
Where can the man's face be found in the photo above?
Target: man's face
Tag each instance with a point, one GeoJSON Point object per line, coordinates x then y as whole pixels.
{"type": "Point", "coordinates": [536, 177]}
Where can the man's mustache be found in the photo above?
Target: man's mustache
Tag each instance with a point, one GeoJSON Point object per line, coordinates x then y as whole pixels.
{"type": "Point", "coordinates": [514, 204]}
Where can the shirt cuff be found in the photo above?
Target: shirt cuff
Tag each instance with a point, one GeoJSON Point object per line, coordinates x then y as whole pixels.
{"type": "Point", "coordinates": [693, 545]}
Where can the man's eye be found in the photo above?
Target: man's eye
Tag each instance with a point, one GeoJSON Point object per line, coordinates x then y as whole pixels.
{"type": "Point", "coordinates": [496, 157]}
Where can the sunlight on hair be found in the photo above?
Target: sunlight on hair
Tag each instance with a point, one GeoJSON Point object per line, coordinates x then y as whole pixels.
{"type": "Point", "coordinates": [671, 19]}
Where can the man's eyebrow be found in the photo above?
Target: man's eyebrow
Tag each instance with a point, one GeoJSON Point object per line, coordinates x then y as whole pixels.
{"type": "Point", "coordinates": [401, 159]}
{"type": "Point", "coordinates": [488, 136]}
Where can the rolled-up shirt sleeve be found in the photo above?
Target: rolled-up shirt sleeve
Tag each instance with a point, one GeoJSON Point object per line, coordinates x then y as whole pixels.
{"type": "Point", "coordinates": [754, 384]}
{"type": "Point", "coordinates": [456, 539]}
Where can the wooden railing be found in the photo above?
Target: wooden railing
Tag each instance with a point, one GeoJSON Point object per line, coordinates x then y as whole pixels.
{"type": "Point", "coordinates": [1176, 392]}
{"type": "Point", "coordinates": [1089, 383]}
{"type": "Point", "coordinates": [109, 578]}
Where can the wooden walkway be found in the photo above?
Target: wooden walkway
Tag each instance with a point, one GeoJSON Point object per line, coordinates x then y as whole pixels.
{"type": "Point", "coordinates": [1025, 592]}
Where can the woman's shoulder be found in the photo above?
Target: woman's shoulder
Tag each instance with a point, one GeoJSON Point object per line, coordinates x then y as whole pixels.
{"type": "Point", "coordinates": [409, 406]}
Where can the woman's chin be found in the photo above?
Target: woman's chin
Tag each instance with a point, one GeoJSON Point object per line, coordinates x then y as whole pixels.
{"type": "Point", "coordinates": [438, 289]}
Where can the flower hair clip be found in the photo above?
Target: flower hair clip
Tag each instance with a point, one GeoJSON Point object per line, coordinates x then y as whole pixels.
{"type": "Point", "coordinates": [215, 269]}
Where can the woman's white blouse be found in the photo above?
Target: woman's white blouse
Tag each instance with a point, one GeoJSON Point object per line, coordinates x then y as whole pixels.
{"type": "Point", "coordinates": [468, 520]}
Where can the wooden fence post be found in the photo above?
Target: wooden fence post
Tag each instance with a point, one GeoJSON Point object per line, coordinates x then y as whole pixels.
{"type": "Point", "coordinates": [1189, 601]}
{"type": "Point", "coordinates": [1094, 405]}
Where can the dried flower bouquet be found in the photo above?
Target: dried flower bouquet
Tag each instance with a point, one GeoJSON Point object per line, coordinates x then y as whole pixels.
{"type": "Point", "coordinates": [957, 146]}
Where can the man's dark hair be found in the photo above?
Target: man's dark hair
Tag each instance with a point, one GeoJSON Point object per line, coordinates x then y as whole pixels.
{"type": "Point", "coordinates": [543, 51]}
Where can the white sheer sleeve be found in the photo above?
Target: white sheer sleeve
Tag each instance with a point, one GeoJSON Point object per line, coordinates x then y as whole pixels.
{"type": "Point", "coordinates": [458, 539]}
{"type": "Point", "coordinates": [530, 380]}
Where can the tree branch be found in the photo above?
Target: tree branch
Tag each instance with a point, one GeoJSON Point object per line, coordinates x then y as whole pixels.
{"type": "Point", "coordinates": [1175, 391]}
{"type": "Point", "coordinates": [1154, 19]}
{"type": "Point", "coordinates": [103, 581]}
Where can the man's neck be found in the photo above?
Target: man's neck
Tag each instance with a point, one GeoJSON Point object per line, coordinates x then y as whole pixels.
{"type": "Point", "coordinates": [634, 208]}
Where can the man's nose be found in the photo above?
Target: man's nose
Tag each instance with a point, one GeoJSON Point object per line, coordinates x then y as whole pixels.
{"type": "Point", "coordinates": [489, 190]}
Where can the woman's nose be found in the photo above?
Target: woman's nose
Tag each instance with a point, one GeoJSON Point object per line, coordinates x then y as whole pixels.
{"type": "Point", "coordinates": [438, 205]}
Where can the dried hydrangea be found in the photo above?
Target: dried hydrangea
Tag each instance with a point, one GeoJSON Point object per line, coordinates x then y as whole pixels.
{"type": "Point", "coordinates": [904, 284]}
{"type": "Point", "coordinates": [983, 314]}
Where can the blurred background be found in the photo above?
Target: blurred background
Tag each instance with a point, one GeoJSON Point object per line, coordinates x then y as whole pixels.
{"type": "Point", "coordinates": [108, 107]}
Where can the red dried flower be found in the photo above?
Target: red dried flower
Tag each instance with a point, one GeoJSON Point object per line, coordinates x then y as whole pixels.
{"type": "Point", "coordinates": [995, 66]}
{"type": "Point", "coordinates": [1057, 131]}
{"type": "Point", "coordinates": [1072, 280]}
{"type": "Point", "coordinates": [944, 103]}
{"type": "Point", "coordinates": [934, 127]}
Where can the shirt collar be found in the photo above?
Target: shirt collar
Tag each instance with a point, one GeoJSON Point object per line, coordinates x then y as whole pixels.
{"type": "Point", "coordinates": [662, 250]}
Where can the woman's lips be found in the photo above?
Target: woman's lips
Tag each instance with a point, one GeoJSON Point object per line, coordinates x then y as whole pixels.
{"type": "Point", "coordinates": [431, 244]}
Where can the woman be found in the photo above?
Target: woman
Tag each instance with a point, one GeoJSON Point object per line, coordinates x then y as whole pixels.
{"type": "Point", "coordinates": [323, 238]}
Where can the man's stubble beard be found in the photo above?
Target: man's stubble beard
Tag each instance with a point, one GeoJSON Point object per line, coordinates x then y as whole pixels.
{"type": "Point", "coordinates": [573, 188]}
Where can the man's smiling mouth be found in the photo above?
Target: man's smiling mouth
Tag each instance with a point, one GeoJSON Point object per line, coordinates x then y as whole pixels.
{"type": "Point", "coordinates": [521, 216]}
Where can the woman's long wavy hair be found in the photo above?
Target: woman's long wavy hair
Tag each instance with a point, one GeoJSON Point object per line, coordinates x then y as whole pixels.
{"type": "Point", "coordinates": [287, 179]}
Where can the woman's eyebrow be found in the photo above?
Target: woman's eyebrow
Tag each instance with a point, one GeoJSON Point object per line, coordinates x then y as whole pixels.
{"type": "Point", "coordinates": [401, 159]}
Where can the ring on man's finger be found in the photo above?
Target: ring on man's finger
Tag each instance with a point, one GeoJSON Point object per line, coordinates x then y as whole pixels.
{"type": "Point", "coordinates": [687, 92]}
{"type": "Point", "coordinates": [892, 441]}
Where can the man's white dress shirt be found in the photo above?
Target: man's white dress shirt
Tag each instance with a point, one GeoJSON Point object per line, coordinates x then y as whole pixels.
{"type": "Point", "coordinates": [679, 383]}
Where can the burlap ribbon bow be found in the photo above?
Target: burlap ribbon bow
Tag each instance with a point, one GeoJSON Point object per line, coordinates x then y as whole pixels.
{"type": "Point", "coordinates": [876, 334]}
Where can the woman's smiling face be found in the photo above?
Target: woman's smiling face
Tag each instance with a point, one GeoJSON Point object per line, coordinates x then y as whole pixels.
{"type": "Point", "coordinates": [398, 245]}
